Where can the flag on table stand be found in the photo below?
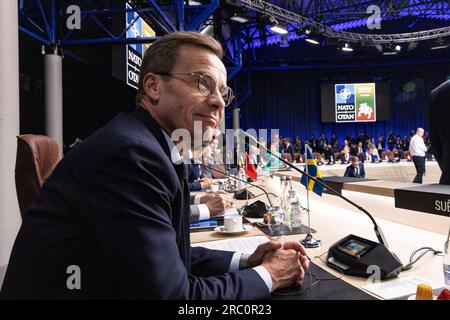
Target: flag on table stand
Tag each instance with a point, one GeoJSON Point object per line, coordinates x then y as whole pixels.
{"type": "Point", "coordinates": [314, 171]}
{"type": "Point", "coordinates": [250, 170]}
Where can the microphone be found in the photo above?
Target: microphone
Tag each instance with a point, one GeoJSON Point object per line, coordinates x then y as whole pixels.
{"type": "Point", "coordinates": [242, 180]}
{"type": "Point", "coordinates": [347, 254]}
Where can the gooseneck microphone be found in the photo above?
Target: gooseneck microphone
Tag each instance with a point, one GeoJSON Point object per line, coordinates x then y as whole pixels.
{"type": "Point", "coordinates": [353, 255]}
{"type": "Point", "coordinates": [378, 232]}
{"type": "Point", "coordinates": [233, 177]}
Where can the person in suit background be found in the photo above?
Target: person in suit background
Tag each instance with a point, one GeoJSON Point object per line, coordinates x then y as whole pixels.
{"type": "Point", "coordinates": [355, 169]}
{"type": "Point", "coordinates": [288, 150]}
{"type": "Point", "coordinates": [439, 118]}
{"type": "Point", "coordinates": [206, 206]}
{"type": "Point", "coordinates": [117, 207]}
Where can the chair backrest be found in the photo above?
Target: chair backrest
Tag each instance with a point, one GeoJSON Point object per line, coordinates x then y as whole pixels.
{"type": "Point", "coordinates": [37, 157]}
{"type": "Point", "coordinates": [217, 174]}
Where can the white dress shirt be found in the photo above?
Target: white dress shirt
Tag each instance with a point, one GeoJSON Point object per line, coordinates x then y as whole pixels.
{"type": "Point", "coordinates": [417, 147]}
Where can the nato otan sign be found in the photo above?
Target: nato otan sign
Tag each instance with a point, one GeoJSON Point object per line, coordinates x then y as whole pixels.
{"type": "Point", "coordinates": [136, 28]}
{"type": "Point", "coordinates": [355, 102]}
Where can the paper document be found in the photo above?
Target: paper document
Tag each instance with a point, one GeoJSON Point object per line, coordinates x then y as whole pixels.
{"type": "Point", "coordinates": [400, 288]}
{"type": "Point", "coordinates": [244, 245]}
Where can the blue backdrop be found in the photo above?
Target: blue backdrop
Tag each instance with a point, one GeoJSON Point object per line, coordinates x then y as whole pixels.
{"type": "Point", "coordinates": [289, 100]}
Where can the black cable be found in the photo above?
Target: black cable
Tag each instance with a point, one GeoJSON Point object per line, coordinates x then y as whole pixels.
{"type": "Point", "coordinates": [292, 291]}
{"type": "Point", "coordinates": [299, 290]}
{"type": "Point", "coordinates": [412, 261]}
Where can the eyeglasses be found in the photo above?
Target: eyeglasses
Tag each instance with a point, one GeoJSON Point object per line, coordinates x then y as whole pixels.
{"type": "Point", "coordinates": [207, 85]}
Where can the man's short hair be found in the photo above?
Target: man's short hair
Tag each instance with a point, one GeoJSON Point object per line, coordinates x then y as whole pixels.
{"type": "Point", "coordinates": [354, 159]}
{"type": "Point", "coordinates": [162, 55]}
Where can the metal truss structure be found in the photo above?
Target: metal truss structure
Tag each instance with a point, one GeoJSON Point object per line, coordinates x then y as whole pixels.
{"type": "Point", "coordinates": [45, 20]}
{"type": "Point", "coordinates": [300, 21]}
{"type": "Point", "coordinates": [332, 11]}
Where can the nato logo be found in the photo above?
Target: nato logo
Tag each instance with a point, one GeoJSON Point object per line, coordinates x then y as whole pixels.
{"type": "Point", "coordinates": [345, 93]}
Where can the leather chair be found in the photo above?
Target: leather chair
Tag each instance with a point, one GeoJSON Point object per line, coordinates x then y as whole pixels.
{"type": "Point", "coordinates": [37, 157]}
{"type": "Point", "coordinates": [216, 174]}
{"type": "Point", "coordinates": [318, 158]}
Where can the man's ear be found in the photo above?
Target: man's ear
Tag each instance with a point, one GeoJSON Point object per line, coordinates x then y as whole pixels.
{"type": "Point", "coordinates": [152, 87]}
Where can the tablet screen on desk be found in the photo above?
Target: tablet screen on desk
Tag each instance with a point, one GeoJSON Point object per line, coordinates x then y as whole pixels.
{"type": "Point", "coordinates": [354, 248]}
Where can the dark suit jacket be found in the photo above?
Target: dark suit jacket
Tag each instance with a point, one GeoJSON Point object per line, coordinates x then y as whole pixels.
{"type": "Point", "coordinates": [113, 207]}
{"type": "Point", "coordinates": [194, 174]}
{"type": "Point", "coordinates": [439, 120]}
{"type": "Point", "coordinates": [289, 149]}
{"type": "Point", "coordinates": [350, 171]}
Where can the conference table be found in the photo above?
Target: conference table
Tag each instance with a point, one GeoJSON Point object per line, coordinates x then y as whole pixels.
{"type": "Point", "coordinates": [333, 221]}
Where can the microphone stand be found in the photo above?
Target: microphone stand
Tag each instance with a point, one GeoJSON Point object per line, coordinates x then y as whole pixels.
{"type": "Point", "coordinates": [310, 241]}
{"type": "Point", "coordinates": [377, 229]}
{"type": "Point", "coordinates": [233, 177]}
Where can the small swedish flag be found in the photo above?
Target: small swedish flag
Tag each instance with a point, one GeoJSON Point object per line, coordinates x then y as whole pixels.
{"type": "Point", "coordinates": [314, 171]}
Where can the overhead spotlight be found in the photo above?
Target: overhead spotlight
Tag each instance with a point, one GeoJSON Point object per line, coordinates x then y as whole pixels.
{"type": "Point", "coordinates": [313, 40]}
{"type": "Point", "coordinates": [278, 28]}
{"type": "Point", "coordinates": [390, 50]}
{"type": "Point", "coordinates": [313, 34]}
{"type": "Point", "coordinates": [239, 18]}
{"type": "Point", "coordinates": [284, 41]}
{"type": "Point", "coordinates": [346, 47]}
{"type": "Point", "coordinates": [439, 44]}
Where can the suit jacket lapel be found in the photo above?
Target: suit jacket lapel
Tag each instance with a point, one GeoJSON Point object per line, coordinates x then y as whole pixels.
{"type": "Point", "coordinates": [179, 221]}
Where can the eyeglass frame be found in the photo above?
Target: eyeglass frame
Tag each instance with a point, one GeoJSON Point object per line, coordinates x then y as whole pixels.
{"type": "Point", "coordinates": [200, 76]}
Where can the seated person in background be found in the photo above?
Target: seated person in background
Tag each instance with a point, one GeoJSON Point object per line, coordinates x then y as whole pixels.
{"type": "Point", "coordinates": [345, 153]}
{"type": "Point", "coordinates": [373, 153]}
{"type": "Point", "coordinates": [297, 149]}
{"type": "Point", "coordinates": [360, 152]}
{"type": "Point", "coordinates": [288, 150]}
{"type": "Point", "coordinates": [327, 155]}
{"type": "Point", "coordinates": [400, 147]}
{"type": "Point", "coordinates": [196, 180]}
{"type": "Point", "coordinates": [206, 206]}
{"type": "Point", "coordinates": [439, 116]}
{"type": "Point", "coordinates": [355, 169]}
{"type": "Point", "coordinates": [272, 161]}
{"type": "Point", "coordinates": [198, 174]}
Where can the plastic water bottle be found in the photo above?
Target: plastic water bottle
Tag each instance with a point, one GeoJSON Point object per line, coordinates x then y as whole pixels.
{"type": "Point", "coordinates": [294, 209]}
{"type": "Point", "coordinates": [447, 261]}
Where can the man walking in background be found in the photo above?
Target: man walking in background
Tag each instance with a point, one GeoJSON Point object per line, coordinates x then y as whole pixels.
{"type": "Point", "coordinates": [417, 150]}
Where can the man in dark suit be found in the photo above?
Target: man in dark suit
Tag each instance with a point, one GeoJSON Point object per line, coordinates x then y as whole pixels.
{"type": "Point", "coordinates": [112, 221]}
{"type": "Point", "coordinates": [439, 118]}
{"type": "Point", "coordinates": [355, 169]}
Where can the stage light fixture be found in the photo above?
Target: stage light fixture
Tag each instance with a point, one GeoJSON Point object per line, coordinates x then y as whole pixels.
{"type": "Point", "coordinates": [439, 44]}
{"type": "Point", "coordinates": [346, 47]}
{"type": "Point", "coordinates": [391, 50]}
{"type": "Point", "coordinates": [278, 28]}
{"type": "Point", "coordinates": [239, 18]}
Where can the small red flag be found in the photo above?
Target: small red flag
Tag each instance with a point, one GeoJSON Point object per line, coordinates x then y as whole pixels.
{"type": "Point", "coordinates": [250, 169]}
